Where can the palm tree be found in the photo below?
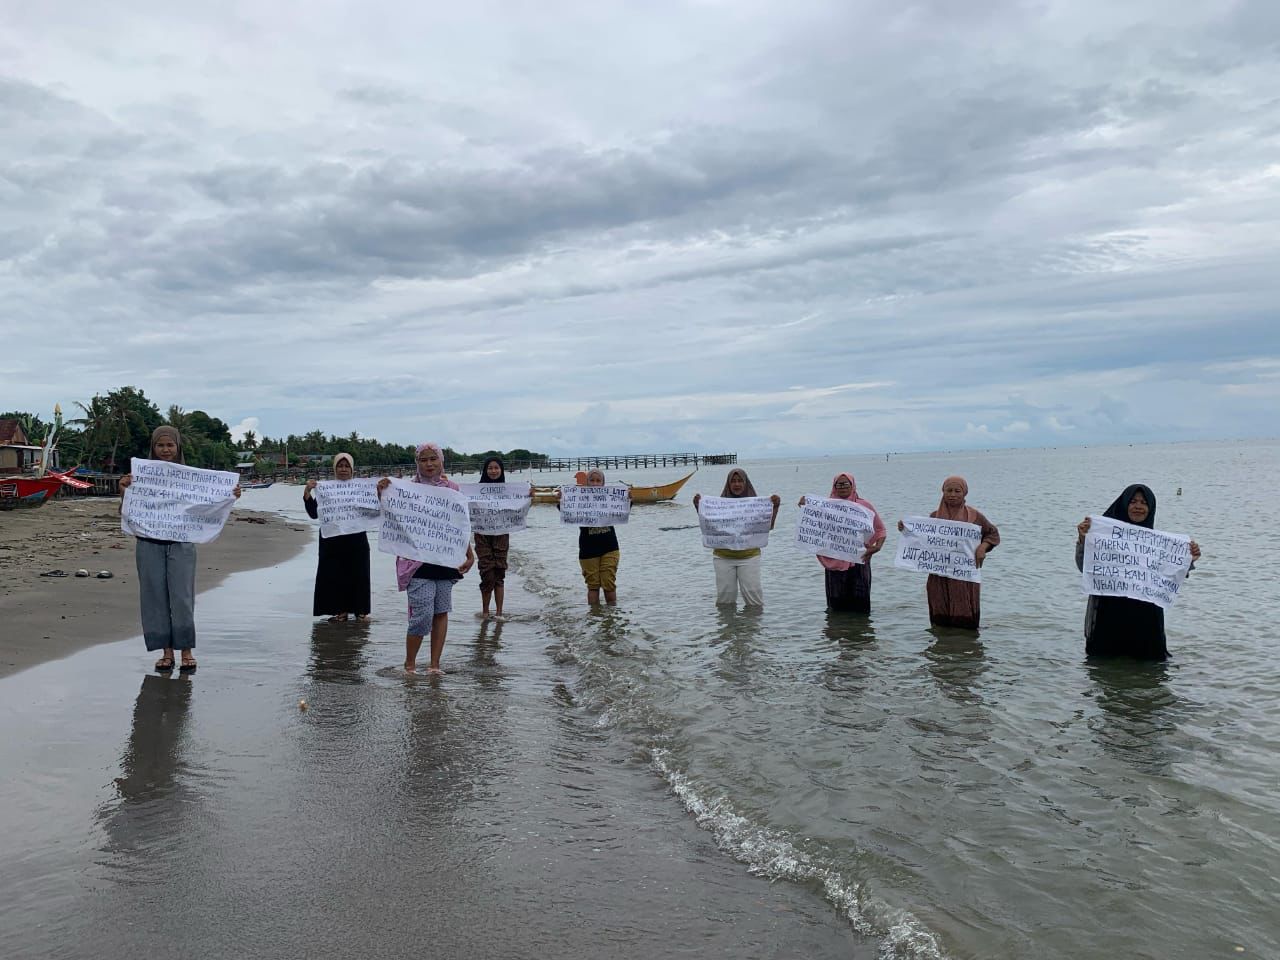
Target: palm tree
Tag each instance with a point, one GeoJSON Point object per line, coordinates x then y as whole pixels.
{"type": "Point", "coordinates": [250, 441]}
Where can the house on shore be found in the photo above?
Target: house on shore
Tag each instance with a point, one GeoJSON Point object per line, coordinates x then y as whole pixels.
{"type": "Point", "coordinates": [17, 453]}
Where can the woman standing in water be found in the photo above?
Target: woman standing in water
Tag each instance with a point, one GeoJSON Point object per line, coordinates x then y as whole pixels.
{"type": "Point", "coordinates": [167, 575]}
{"type": "Point", "coordinates": [342, 573]}
{"type": "Point", "coordinates": [492, 549]}
{"type": "Point", "coordinates": [598, 552]}
{"type": "Point", "coordinates": [428, 585]}
{"type": "Point", "coordinates": [739, 570]}
{"type": "Point", "coordinates": [849, 584]}
{"type": "Point", "coordinates": [957, 603]}
{"type": "Point", "coordinates": [1123, 626]}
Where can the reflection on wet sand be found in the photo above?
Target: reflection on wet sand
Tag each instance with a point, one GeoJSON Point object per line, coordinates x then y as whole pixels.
{"type": "Point", "coordinates": [153, 807]}
{"type": "Point", "coordinates": [338, 651]}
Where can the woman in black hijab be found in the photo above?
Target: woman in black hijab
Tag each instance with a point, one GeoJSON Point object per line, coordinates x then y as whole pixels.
{"type": "Point", "coordinates": [1123, 626]}
{"type": "Point", "coordinates": [491, 549]}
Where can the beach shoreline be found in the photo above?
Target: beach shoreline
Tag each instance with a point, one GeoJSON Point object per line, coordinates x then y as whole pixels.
{"type": "Point", "coordinates": [48, 618]}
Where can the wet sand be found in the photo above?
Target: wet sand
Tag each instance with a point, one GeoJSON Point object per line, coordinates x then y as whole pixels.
{"type": "Point", "coordinates": [47, 618]}
{"type": "Point", "coordinates": [486, 814]}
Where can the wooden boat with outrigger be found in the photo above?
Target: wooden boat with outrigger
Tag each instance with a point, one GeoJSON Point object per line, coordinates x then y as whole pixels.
{"type": "Point", "coordinates": [654, 494]}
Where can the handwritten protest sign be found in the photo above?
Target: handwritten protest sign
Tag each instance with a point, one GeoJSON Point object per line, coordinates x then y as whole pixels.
{"type": "Point", "coordinates": [170, 501]}
{"type": "Point", "coordinates": [582, 506]}
{"type": "Point", "coordinates": [735, 523]}
{"type": "Point", "coordinates": [426, 523]}
{"type": "Point", "coordinates": [834, 528]}
{"type": "Point", "coordinates": [944, 547]}
{"type": "Point", "coordinates": [497, 507]}
{"type": "Point", "coordinates": [1124, 560]}
{"type": "Point", "coordinates": [348, 506]}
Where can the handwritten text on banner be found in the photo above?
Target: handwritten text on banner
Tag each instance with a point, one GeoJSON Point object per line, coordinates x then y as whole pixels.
{"type": "Point", "coordinates": [348, 506]}
{"type": "Point", "coordinates": [1124, 560]}
{"type": "Point", "coordinates": [170, 501]}
{"type": "Point", "coordinates": [834, 528]}
{"type": "Point", "coordinates": [424, 522]}
{"type": "Point", "coordinates": [582, 506]}
{"type": "Point", "coordinates": [497, 507]}
{"type": "Point", "coordinates": [944, 547]}
{"type": "Point", "coordinates": [735, 523]}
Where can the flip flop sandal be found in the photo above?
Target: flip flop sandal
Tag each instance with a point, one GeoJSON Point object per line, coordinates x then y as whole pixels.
{"type": "Point", "coordinates": [54, 573]}
{"type": "Point", "coordinates": [164, 664]}
{"type": "Point", "coordinates": [188, 667]}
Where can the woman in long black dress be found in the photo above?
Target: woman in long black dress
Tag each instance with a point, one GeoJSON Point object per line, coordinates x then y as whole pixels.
{"type": "Point", "coordinates": [342, 575]}
{"type": "Point", "coordinates": [1123, 626]}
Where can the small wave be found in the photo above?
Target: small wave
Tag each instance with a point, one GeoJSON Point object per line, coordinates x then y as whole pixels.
{"type": "Point", "coordinates": [771, 855]}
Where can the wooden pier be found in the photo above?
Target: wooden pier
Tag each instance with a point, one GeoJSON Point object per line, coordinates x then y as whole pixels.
{"type": "Point", "coordinates": [617, 461]}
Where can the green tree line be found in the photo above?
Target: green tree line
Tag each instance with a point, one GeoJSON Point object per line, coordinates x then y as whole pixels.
{"type": "Point", "coordinates": [106, 431]}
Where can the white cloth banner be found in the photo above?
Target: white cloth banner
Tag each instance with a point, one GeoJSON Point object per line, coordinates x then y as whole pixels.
{"type": "Point", "coordinates": [497, 507]}
{"type": "Point", "coordinates": [833, 528]}
{"type": "Point", "coordinates": [1124, 560]}
{"type": "Point", "coordinates": [424, 522]}
{"type": "Point", "coordinates": [583, 506]}
{"type": "Point", "coordinates": [735, 523]}
{"type": "Point", "coordinates": [944, 547]}
{"type": "Point", "coordinates": [170, 501]}
{"type": "Point", "coordinates": [348, 506]}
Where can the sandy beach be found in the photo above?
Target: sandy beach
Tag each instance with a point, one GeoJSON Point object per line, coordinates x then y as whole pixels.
{"type": "Point", "coordinates": [46, 618]}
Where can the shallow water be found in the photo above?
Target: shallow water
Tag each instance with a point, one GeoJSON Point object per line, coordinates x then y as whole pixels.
{"type": "Point", "coordinates": [940, 793]}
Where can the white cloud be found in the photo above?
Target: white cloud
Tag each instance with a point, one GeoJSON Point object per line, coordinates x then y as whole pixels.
{"type": "Point", "coordinates": [625, 231]}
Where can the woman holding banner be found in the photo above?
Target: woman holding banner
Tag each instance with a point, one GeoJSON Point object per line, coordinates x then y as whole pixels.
{"type": "Point", "coordinates": [739, 570]}
{"type": "Point", "coordinates": [167, 574]}
{"type": "Point", "coordinates": [1124, 626]}
{"type": "Point", "coordinates": [598, 551]}
{"type": "Point", "coordinates": [849, 584]}
{"type": "Point", "coordinates": [492, 549]}
{"type": "Point", "coordinates": [342, 572]}
{"type": "Point", "coordinates": [428, 585]}
{"type": "Point", "coordinates": [957, 603]}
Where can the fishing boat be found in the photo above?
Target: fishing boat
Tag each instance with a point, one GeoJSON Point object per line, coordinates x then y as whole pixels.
{"type": "Point", "coordinates": [261, 485]}
{"type": "Point", "coordinates": [39, 487]}
{"type": "Point", "coordinates": [35, 491]}
{"type": "Point", "coordinates": [654, 494]}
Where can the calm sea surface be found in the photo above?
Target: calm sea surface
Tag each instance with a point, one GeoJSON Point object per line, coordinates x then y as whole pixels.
{"type": "Point", "coordinates": [918, 793]}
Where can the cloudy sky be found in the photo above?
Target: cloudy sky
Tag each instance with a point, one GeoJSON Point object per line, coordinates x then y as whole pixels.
{"type": "Point", "coordinates": [771, 227]}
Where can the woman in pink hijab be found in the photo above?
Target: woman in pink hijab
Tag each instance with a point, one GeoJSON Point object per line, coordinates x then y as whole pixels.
{"type": "Point", "coordinates": [428, 585]}
{"type": "Point", "coordinates": [849, 584]}
{"type": "Point", "coordinates": [957, 603]}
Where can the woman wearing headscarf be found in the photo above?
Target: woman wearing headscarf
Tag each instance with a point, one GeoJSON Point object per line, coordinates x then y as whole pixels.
{"type": "Point", "coordinates": [849, 584]}
{"type": "Point", "coordinates": [167, 574]}
{"type": "Point", "coordinates": [342, 573]}
{"type": "Point", "coordinates": [1124, 626]}
{"type": "Point", "coordinates": [598, 550]}
{"type": "Point", "coordinates": [428, 585]}
{"type": "Point", "coordinates": [957, 603]}
{"type": "Point", "coordinates": [491, 549]}
{"type": "Point", "coordinates": [739, 570]}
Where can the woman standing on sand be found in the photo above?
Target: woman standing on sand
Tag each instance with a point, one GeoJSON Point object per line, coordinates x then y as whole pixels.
{"type": "Point", "coordinates": [342, 572]}
{"type": "Point", "coordinates": [167, 575]}
{"type": "Point", "coordinates": [958, 603]}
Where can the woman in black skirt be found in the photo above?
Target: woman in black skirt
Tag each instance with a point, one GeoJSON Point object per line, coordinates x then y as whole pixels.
{"type": "Point", "coordinates": [342, 575]}
{"type": "Point", "coordinates": [849, 584]}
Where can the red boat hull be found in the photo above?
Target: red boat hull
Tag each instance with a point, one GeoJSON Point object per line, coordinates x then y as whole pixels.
{"type": "Point", "coordinates": [27, 491]}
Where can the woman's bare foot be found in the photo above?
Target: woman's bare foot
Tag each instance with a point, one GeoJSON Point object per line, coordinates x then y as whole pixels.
{"type": "Point", "coordinates": [434, 672]}
{"type": "Point", "coordinates": [338, 618]}
{"type": "Point", "coordinates": [410, 668]}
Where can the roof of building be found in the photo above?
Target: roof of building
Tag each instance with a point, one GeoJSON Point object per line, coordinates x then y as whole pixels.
{"type": "Point", "coordinates": [11, 432]}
